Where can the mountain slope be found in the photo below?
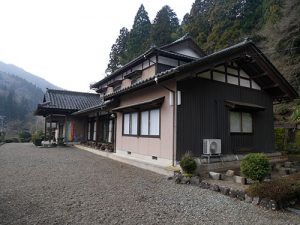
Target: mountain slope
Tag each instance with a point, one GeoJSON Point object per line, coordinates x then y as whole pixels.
{"type": "Point", "coordinates": [19, 72]}
{"type": "Point", "coordinates": [18, 97]}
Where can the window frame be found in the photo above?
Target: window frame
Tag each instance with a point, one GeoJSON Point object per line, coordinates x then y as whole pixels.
{"type": "Point", "coordinates": [149, 123]}
{"type": "Point", "coordinates": [241, 112]}
{"type": "Point", "coordinates": [139, 125]}
{"type": "Point", "coordinates": [130, 116]}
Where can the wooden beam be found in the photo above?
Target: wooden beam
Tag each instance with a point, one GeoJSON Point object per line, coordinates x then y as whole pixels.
{"type": "Point", "coordinates": [270, 86]}
{"type": "Point", "coordinates": [259, 76]}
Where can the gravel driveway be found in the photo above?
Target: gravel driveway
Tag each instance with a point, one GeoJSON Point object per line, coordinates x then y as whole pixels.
{"type": "Point", "coordinates": [71, 186]}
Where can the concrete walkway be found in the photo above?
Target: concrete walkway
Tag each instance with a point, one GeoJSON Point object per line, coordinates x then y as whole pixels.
{"type": "Point", "coordinates": [71, 186]}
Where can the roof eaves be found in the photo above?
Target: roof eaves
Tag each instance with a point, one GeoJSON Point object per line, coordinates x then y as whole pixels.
{"type": "Point", "coordinates": [117, 72]}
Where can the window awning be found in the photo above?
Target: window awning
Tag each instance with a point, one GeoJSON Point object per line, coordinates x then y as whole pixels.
{"type": "Point", "coordinates": [244, 106]}
{"type": "Point", "coordinates": [154, 103]}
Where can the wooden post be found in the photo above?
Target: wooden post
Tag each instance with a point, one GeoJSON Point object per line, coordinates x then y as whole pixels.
{"type": "Point", "coordinates": [50, 133]}
{"type": "Point", "coordinates": [45, 132]}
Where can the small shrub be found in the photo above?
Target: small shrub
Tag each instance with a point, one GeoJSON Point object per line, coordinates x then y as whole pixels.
{"type": "Point", "coordinates": [279, 138]}
{"type": "Point", "coordinates": [24, 136]}
{"type": "Point", "coordinates": [255, 166]}
{"type": "Point", "coordinates": [280, 190]}
{"type": "Point", "coordinates": [37, 138]}
{"type": "Point", "coordinates": [188, 164]}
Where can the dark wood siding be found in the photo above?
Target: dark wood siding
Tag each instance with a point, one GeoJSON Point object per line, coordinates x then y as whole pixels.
{"type": "Point", "coordinates": [203, 114]}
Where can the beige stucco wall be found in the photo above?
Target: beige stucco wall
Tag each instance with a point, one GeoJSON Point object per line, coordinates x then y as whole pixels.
{"type": "Point", "coordinates": [126, 83]}
{"type": "Point", "coordinates": [159, 147]}
{"type": "Point", "coordinates": [149, 72]}
{"type": "Point", "coordinates": [109, 90]}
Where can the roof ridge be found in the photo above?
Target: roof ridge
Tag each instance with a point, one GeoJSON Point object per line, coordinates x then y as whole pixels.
{"type": "Point", "coordinates": [67, 91]}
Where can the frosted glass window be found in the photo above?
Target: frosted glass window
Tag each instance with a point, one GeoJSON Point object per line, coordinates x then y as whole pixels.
{"type": "Point", "coordinates": [219, 76]}
{"type": "Point", "coordinates": [89, 131]}
{"type": "Point", "coordinates": [95, 132]}
{"type": "Point", "coordinates": [145, 123]}
{"type": "Point", "coordinates": [110, 131]}
{"type": "Point", "coordinates": [255, 86]}
{"type": "Point", "coordinates": [134, 123]}
{"type": "Point", "coordinates": [235, 122]}
{"type": "Point", "coordinates": [126, 123]}
{"type": "Point", "coordinates": [154, 122]}
{"type": "Point", "coordinates": [246, 123]}
{"type": "Point", "coordinates": [244, 74]}
{"type": "Point", "coordinates": [232, 80]}
{"type": "Point", "coordinates": [244, 82]}
{"type": "Point", "coordinates": [205, 75]}
{"type": "Point", "coordinates": [241, 122]}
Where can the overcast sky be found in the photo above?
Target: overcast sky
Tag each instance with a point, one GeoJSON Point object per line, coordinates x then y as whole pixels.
{"type": "Point", "coordinates": [67, 42]}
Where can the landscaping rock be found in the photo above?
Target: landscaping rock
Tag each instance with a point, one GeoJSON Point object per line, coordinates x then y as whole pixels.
{"type": "Point", "coordinates": [178, 178]}
{"type": "Point", "coordinates": [186, 180]}
{"type": "Point", "coordinates": [215, 187]}
{"type": "Point", "coordinates": [215, 176]}
{"type": "Point", "coordinates": [195, 180]}
{"type": "Point", "coordinates": [240, 195]}
{"type": "Point", "coordinates": [284, 171]}
{"type": "Point", "coordinates": [204, 185]}
{"type": "Point", "coordinates": [278, 166]}
{"type": "Point", "coordinates": [293, 170]}
{"type": "Point", "coordinates": [224, 190]}
{"type": "Point", "coordinates": [239, 179]}
{"type": "Point", "coordinates": [230, 173]}
{"type": "Point", "coordinates": [273, 205]}
{"type": "Point", "coordinates": [265, 203]}
{"type": "Point", "coordinates": [256, 200]}
{"type": "Point", "coordinates": [249, 181]}
{"type": "Point", "coordinates": [232, 193]}
{"type": "Point", "coordinates": [288, 164]}
{"type": "Point", "coordinates": [248, 198]}
{"type": "Point", "coordinates": [170, 177]}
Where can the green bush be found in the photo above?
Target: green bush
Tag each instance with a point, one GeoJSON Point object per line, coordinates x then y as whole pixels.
{"type": "Point", "coordinates": [280, 190]}
{"type": "Point", "coordinates": [188, 164]}
{"type": "Point", "coordinates": [279, 138]}
{"type": "Point", "coordinates": [255, 166]}
{"type": "Point", "coordinates": [37, 138]}
{"type": "Point", "coordinates": [24, 136]}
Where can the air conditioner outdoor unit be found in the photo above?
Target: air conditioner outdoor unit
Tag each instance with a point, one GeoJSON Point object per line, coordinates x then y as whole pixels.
{"type": "Point", "coordinates": [211, 146]}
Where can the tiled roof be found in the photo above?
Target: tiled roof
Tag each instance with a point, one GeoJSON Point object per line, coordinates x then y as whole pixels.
{"type": "Point", "coordinates": [160, 50]}
{"type": "Point", "coordinates": [69, 100]}
{"type": "Point", "coordinates": [201, 62]}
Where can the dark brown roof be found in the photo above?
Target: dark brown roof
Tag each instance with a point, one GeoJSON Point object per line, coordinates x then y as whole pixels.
{"type": "Point", "coordinates": [163, 51]}
{"type": "Point", "coordinates": [67, 101]}
{"type": "Point", "coordinates": [286, 90]}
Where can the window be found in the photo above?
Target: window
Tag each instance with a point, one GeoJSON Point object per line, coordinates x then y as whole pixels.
{"type": "Point", "coordinates": [91, 134]}
{"type": "Point", "coordinates": [95, 132]}
{"type": "Point", "coordinates": [240, 122]}
{"type": "Point", "coordinates": [148, 121]}
{"type": "Point", "coordinates": [130, 123]}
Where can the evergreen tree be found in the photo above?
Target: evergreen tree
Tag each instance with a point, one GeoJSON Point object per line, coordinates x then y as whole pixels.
{"type": "Point", "coordinates": [165, 27]}
{"type": "Point", "coordinates": [117, 56]}
{"type": "Point", "coordinates": [139, 35]}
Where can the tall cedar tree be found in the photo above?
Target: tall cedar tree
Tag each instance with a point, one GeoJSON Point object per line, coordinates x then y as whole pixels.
{"type": "Point", "coordinates": [117, 54]}
{"type": "Point", "coordinates": [165, 27]}
{"type": "Point", "coordinates": [139, 35]}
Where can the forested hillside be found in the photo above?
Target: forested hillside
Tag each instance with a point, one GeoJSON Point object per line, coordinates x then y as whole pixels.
{"type": "Point", "coordinates": [18, 99]}
{"type": "Point", "coordinates": [274, 25]}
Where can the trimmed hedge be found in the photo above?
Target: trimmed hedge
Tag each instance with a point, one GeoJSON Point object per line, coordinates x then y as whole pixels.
{"type": "Point", "coordinates": [188, 164]}
{"type": "Point", "coordinates": [255, 166]}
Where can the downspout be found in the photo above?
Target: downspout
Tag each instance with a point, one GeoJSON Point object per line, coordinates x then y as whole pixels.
{"type": "Point", "coordinates": [174, 119]}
